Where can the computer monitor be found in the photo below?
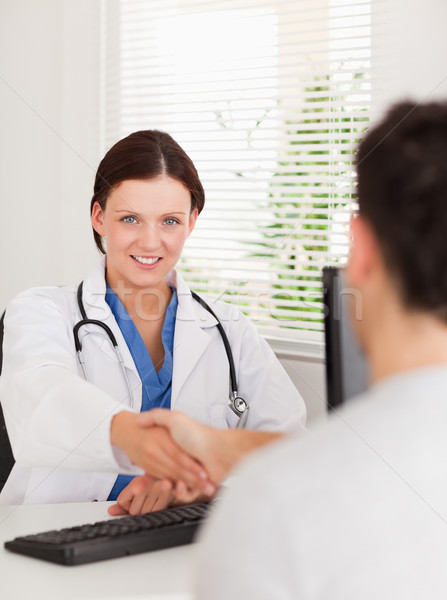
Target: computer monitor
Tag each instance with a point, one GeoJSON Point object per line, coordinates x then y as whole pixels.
{"type": "Point", "coordinates": [346, 365]}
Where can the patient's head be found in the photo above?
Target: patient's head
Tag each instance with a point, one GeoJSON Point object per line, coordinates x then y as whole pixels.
{"type": "Point", "coordinates": [402, 189]}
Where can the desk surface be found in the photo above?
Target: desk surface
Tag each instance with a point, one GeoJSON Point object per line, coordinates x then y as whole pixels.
{"type": "Point", "coordinates": [161, 575]}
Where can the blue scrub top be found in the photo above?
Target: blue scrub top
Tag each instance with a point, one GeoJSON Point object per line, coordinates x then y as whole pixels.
{"type": "Point", "coordinates": [157, 387]}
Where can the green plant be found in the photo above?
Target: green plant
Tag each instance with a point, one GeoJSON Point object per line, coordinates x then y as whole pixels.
{"type": "Point", "coordinates": [302, 225]}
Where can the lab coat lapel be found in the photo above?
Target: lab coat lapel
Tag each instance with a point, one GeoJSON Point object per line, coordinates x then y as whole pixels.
{"type": "Point", "coordinates": [191, 338]}
{"type": "Point", "coordinates": [97, 308]}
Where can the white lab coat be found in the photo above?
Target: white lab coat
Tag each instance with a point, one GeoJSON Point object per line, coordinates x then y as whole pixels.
{"type": "Point", "coordinates": [59, 423]}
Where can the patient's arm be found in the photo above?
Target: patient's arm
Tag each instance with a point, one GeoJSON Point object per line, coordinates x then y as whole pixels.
{"type": "Point", "coordinates": [217, 449]}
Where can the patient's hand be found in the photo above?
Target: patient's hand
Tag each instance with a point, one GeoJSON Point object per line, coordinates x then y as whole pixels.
{"type": "Point", "coordinates": [217, 450]}
{"type": "Point", "coordinates": [153, 449]}
{"type": "Point", "coordinates": [145, 494]}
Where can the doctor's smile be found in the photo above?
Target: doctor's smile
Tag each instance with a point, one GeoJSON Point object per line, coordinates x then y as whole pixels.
{"type": "Point", "coordinates": [146, 261]}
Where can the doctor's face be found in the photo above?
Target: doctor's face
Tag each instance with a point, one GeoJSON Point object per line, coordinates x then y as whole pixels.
{"type": "Point", "coordinates": [146, 223]}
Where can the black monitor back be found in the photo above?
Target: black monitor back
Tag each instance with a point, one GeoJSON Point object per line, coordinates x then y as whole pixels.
{"type": "Point", "coordinates": [346, 366]}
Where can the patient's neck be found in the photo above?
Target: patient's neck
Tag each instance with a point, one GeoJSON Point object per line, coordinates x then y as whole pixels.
{"type": "Point", "coordinates": [400, 340]}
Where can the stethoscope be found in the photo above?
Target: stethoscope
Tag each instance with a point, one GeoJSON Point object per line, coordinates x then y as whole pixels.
{"type": "Point", "coordinates": [237, 404]}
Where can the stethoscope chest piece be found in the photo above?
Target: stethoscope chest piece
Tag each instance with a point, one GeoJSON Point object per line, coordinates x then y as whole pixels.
{"type": "Point", "coordinates": [240, 407]}
{"type": "Point", "coordinates": [239, 404]}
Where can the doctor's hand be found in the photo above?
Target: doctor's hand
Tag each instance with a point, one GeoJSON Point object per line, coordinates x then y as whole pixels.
{"type": "Point", "coordinates": [153, 449]}
{"type": "Point", "coordinates": [145, 494]}
{"type": "Point", "coordinates": [219, 450]}
{"type": "Point", "coordinates": [142, 495]}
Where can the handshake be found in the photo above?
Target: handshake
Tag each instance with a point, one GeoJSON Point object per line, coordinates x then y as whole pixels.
{"type": "Point", "coordinates": [184, 460]}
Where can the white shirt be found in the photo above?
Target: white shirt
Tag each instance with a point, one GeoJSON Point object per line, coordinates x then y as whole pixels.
{"type": "Point", "coordinates": [59, 423]}
{"type": "Point", "coordinates": [354, 511]}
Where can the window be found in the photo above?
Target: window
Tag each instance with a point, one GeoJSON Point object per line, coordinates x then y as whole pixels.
{"type": "Point", "coordinates": [269, 98]}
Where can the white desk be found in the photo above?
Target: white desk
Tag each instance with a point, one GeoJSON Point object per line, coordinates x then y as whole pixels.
{"type": "Point", "coordinates": [162, 575]}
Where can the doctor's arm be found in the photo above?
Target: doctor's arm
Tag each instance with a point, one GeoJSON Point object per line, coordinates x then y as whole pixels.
{"type": "Point", "coordinates": [56, 419]}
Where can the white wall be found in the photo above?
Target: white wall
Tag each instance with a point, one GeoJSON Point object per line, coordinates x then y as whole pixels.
{"type": "Point", "coordinates": [49, 140]}
{"type": "Point", "coordinates": [50, 130]}
{"type": "Point", "coordinates": [308, 375]}
{"type": "Point", "coordinates": [409, 51]}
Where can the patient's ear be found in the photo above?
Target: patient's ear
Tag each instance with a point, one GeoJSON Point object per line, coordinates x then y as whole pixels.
{"type": "Point", "coordinates": [364, 253]}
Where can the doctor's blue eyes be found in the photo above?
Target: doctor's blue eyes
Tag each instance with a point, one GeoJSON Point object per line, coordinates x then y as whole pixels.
{"type": "Point", "coordinates": [169, 221]}
{"type": "Point", "coordinates": [129, 220]}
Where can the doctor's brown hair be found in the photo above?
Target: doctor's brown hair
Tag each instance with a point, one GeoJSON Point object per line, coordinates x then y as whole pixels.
{"type": "Point", "coordinates": [402, 193]}
{"type": "Point", "coordinates": [145, 155]}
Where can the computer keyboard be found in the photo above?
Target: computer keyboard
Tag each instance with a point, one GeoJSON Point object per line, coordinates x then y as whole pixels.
{"type": "Point", "coordinates": [115, 537]}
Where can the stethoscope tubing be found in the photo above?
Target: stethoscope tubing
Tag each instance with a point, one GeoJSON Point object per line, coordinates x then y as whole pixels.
{"type": "Point", "coordinates": [109, 333]}
{"type": "Point", "coordinates": [225, 341]}
{"type": "Point", "coordinates": [237, 404]}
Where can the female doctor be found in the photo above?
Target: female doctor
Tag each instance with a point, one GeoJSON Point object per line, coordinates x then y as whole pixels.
{"type": "Point", "coordinates": [72, 417]}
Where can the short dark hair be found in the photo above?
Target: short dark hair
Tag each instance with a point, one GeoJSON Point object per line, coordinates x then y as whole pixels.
{"type": "Point", "coordinates": [402, 193]}
{"type": "Point", "coordinates": [145, 155]}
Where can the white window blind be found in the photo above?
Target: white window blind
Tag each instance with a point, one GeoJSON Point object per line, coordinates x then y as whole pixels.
{"type": "Point", "coordinates": [269, 98]}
